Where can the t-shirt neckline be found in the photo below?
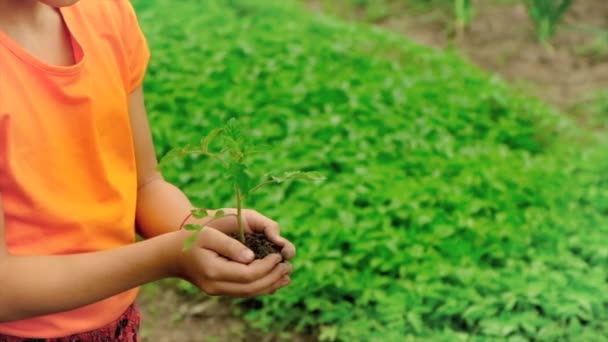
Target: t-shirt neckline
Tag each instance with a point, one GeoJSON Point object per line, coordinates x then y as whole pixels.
{"type": "Point", "coordinates": [26, 56]}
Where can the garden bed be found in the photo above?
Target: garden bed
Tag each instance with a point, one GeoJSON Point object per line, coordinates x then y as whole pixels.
{"type": "Point", "coordinates": [457, 207]}
{"type": "Point", "coordinates": [501, 39]}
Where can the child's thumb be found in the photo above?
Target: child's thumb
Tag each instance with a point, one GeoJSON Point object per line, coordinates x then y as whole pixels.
{"type": "Point", "coordinates": [225, 246]}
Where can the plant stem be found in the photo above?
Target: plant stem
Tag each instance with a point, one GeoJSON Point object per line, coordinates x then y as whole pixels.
{"type": "Point", "coordinates": [239, 214]}
{"type": "Point", "coordinates": [257, 187]}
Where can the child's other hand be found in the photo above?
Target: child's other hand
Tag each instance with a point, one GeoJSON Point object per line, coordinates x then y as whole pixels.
{"type": "Point", "coordinates": [255, 222]}
{"type": "Point", "coordinates": [221, 265]}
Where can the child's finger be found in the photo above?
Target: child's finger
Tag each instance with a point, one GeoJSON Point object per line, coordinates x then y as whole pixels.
{"type": "Point", "coordinates": [289, 250]}
{"type": "Point", "coordinates": [215, 268]}
{"type": "Point", "coordinates": [272, 230]}
{"type": "Point", "coordinates": [225, 246]}
{"type": "Point", "coordinates": [286, 280]}
{"type": "Point", "coordinates": [262, 286]}
{"type": "Point", "coordinates": [262, 224]}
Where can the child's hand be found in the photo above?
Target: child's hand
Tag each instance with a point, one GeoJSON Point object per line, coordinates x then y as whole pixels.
{"type": "Point", "coordinates": [221, 265]}
{"type": "Point", "coordinates": [255, 222]}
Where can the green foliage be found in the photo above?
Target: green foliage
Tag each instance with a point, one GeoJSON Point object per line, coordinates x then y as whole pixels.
{"type": "Point", "coordinates": [546, 15]}
{"type": "Point", "coordinates": [455, 209]}
{"type": "Point", "coordinates": [594, 110]}
{"type": "Point", "coordinates": [597, 49]}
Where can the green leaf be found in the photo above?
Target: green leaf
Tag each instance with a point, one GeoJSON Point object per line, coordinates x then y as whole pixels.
{"type": "Point", "coordinates": [240, 177]}
{"type": "Point", "coordinates": [189, 241]}
{"type": "Point", "coordinates": [192, 226]}
{"type": "Point", "coordinates": [232, 130]}
{"type": "Point", "coordinates": [312, 176]}
{"type": "Point", "coordinates": [234, 142]}
{"type": "Point", "coordinates": [199, 213]}
{"type": "Point", "coordinates": [172, 155]}
{"type": "Point", "coordinates": [206, 141]}
{"type": "Point", "coordinates": [219, 214]}
{"type": "Point", "coordinates": [415, 321]}
{"type": "Point", "coordinates": [328, 333]}
{"type": "Point", "coordinates": [253, 150]}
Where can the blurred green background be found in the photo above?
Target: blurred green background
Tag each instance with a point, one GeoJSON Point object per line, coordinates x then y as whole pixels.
{"type": "Point", "coordinates": [465, 148]}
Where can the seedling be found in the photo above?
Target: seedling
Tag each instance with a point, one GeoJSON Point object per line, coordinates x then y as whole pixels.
{"type": "Point", "coordinates": [546, 14]}
{"type": "Point", "coordinates": [463, 12]}
{"type": "Point", "coordinates": [233, 156]}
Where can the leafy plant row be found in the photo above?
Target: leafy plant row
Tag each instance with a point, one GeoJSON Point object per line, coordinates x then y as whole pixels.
{"type": "Point", "coordinates": [454, 208]}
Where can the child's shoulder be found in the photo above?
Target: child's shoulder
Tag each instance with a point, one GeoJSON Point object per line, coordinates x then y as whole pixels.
{"type": "Point", "coordinates": [106, 11]}
{"type": "Point", "coordinates": [116, 6]}
{"type": "Point", "coordinates": [106, 17]}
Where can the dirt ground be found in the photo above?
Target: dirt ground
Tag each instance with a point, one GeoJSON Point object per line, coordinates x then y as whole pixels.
{"type": "Point", "coordinates": [500, 39]}
{"type": "Point", "coordinates": [169, 316]}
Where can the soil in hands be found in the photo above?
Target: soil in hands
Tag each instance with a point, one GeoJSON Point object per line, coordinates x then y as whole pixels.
{"type": "Point", "coordinates": [259, 244]}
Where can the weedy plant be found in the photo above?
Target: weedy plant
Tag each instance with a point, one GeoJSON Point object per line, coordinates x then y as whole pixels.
{"type": "Point", "coordinates": [597, 49]}
{"type": "Point", "coordinates": [460, 12]}
{"type": "Point", "coordinates": [463, 13]}
{"type": "Point", "coordinates": [546, 15]}
{"type": "Point", "coordinates": [234, 157]}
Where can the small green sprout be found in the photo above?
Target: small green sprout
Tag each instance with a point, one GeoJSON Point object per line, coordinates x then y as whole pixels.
{"type": "Point", "coordinates": [546, 14]}
{"type": "Point", "coordinates": [233, 157]}
{"type": "Point", "coordinates": [463, 12]}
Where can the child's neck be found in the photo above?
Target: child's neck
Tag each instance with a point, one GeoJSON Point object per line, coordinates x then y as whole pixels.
{"type": "Point", "coordinates": [26, 12]}
{"type": "Point", "coordinates": [38, 28]}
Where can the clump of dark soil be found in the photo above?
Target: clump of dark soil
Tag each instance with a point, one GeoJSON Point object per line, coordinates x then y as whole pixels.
{"type": "Point", "coordinates": [259, 244]}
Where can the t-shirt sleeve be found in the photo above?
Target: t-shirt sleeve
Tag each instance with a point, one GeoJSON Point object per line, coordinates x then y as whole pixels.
{"type": "Point", "coordinates": [136, 45]}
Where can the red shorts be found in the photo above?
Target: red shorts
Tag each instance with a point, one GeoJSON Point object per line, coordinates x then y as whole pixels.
{"type": "Point", "coordinates": [124, 329]}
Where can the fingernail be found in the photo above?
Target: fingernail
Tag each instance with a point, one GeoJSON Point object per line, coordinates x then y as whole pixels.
{"type": "Point", "coordinates": [247, 255]}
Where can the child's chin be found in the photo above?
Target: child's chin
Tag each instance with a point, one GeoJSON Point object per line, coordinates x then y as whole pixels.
{"type": "Point", "coordinates": [59, 3]}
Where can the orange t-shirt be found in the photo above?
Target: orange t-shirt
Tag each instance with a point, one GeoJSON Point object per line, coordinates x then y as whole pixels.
{"type": "Point", "coordinates": [67, 167]}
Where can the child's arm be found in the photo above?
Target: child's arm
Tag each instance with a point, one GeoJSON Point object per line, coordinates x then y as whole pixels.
{"type": "Point", "coordinates": [162, 207]}
{"type": "Point", "coordinates": [39, 285]}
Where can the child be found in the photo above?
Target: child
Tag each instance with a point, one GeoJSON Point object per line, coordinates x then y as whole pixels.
{"type": "Point", "coordinates": [78, 175]}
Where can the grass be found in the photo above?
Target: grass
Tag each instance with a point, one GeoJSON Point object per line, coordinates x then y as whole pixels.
{"type": "Point", "coordinates": [597, 49]}
{"type": "Point", "coordinates": [593, 111]}
{"type": "Point", "coordinates": [455, 209]}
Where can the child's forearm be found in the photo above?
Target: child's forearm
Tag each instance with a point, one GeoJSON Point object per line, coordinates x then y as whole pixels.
{"type": "Point", "coordinates": [39, 285]}
{"type": "Point", "coordinates": [161, 208]}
